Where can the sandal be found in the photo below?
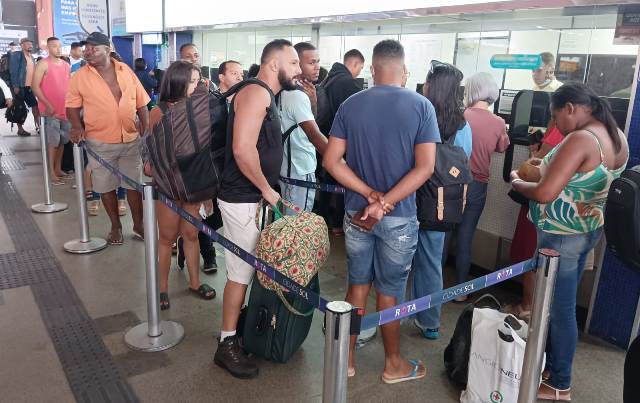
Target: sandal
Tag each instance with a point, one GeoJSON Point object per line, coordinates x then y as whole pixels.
{"type": "Point", "coordinates": [413, 375]}
{"type": "Point", "coordinates": [139, 236]}
{"type": "Point", "coordinates": [204, 291]}
{"type": "Point", "coordinates": [548, 392]}
{"type": "Point", "coordinates": [519, 312]}
{"type": "Point", "coordinates": [164, 301]}
{"type": "Point", "coordinates": [115, 238]}
{"type": "Point", "coordinates": [351, 372]}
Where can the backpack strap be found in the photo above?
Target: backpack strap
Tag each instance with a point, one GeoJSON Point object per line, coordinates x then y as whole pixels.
{"type": "Point", "coordinates": [192, 125]}
{"type": "Point", "coordinates": [440, 208]}
{"type": "Point", "coordinates": [236, 88]}
{"type": "Point", "coordinates": [464, 196]}
{"type": "Point", "coordinates": [287, 136]}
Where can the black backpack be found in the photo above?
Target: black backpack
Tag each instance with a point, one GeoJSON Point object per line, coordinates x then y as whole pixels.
{"type": "Point", "coordinates": [456, 355]}
{"type": "Point", "coordinates": [622, 217]}
{"type": "Point", "coordinates": [442, 199]}
{"type": "Point", "coordinates": [17, 113]}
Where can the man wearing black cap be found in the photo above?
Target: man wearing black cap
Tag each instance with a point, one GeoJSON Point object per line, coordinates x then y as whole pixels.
{"type": "Point", "coordinates": [75, 56]}
{"type": "Point", "coordinates": [111, 96]}
{"type": "Point", "coordinates": [21, 68]}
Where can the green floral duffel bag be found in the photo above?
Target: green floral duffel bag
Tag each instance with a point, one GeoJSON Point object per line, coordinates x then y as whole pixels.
{"type": "Point", "coordinates": [297, 246]}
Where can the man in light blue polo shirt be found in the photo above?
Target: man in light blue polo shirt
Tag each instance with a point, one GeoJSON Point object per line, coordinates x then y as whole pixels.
{"type": "Point", "coordinates": [297, 118]}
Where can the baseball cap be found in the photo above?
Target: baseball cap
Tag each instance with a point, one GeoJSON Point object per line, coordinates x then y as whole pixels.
{"type": "Point", "coordinates": [23, 40]}
{"type": "Point", "coordinates": [96, 38]}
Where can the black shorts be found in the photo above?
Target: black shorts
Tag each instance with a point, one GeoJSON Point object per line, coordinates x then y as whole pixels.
{"type": "Point", "coordinates": [27, 96]}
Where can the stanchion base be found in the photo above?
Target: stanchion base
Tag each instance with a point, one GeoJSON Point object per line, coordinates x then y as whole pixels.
{"type": "Point", "coordinates": [79, 247]}
{"type": "Point", "coordinates": [45, 208]}
{"type": "Point", "coordinates": [137, 338]}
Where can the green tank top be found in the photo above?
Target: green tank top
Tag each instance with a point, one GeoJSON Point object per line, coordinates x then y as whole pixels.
{"type": "Point", "coordinates": [579, 208]}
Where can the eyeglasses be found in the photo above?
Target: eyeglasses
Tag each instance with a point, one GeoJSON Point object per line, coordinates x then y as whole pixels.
{"type": "Point", "coordinates": [441, 66]}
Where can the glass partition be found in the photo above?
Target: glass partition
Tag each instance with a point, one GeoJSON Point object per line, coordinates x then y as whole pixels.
{"type": "Point", "coordinates": [580, 39]}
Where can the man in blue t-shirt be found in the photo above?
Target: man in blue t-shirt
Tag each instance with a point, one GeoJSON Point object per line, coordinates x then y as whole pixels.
{"type": "Point", "coordinates": [388, 134]}
{"type": "Point", "coordinates": [296, 117]}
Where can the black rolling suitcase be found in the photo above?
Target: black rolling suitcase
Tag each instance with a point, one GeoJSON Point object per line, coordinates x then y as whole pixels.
{"type": "Point", "coordinates": [269, 329]}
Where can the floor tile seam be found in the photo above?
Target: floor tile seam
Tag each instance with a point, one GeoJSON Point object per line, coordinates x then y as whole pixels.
{"type": "Point", "coordinates": [19, 222]}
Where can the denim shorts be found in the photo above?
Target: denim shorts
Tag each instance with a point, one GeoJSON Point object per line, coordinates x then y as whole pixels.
{"type": "Point", "coordinates": [383, 256]}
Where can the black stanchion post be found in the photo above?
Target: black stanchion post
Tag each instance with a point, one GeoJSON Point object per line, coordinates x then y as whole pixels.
{"type": "Point", "coordinates": [153, 335]}
{"type": "Point", "coordinates": [539, 325]}
{"type": "Point", "coordinates": [49, 206]}
{"type": "Point", "coordinates": [336, 352]}
{"type": "Point", "coordinates": [85, 244]}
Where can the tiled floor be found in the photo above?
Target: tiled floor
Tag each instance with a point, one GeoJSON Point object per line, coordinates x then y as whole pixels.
{"type": "Point", "coordinates": [110, 288]}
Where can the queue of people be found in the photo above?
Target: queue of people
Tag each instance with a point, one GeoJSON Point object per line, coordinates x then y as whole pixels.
{"type": "Point", "coordinates": [379, 143]}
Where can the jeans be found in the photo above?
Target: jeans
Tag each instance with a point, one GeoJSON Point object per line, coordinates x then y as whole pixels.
{"type": "Point", "coordinates": [300, 196]}
{"type": "Point", "coordinates": [427, 274]}
{"type": "Point", "coordinates": [563, 328]}
{"type": "Point", "coordinates": [382, 256]}
{"type": "Point", "coordinates": [476, 198]}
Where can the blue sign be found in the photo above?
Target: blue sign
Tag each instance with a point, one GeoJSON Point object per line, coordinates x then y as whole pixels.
{"type": "Point", "coordinates": [517, 62]}
{"type": "Point", "coordinates": [73, 20]}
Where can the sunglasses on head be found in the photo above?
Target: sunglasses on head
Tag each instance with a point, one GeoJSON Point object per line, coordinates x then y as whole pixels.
{"type": "Point", "coordinates": [441, 66]}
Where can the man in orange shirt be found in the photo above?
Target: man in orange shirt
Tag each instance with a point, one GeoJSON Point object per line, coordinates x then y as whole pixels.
{"type": "Point", "coordinates": [110, 95]}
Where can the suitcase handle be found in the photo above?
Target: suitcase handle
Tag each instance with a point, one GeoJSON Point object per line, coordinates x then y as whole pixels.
{"type": "Point", "coordinates": [263, 320]}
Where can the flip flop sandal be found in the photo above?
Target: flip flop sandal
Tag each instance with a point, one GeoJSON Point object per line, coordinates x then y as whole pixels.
{"type": "Point", "coordinates": [411, 377]}
{"type": "Point", "coordinates": [138, 236]}
{"type": "Point", "coordinates": [115, 241]}
{"type": "Point", "coordinates": [554, 394]}
{"type": "Point", "coordinates": [204, 292]}
{"type": "Point", "coordinates": [59, 182]}
{"type": "Point", "coordinates": [351, 372]}
{"type": "Point", "coordinates": [164, 301]}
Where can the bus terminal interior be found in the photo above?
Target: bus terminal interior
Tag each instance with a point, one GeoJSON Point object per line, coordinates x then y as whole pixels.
{"type": "Point", "coordinates": [63, 316]}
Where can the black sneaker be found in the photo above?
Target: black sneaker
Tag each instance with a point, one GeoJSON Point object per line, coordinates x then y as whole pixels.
{"type": "Point", "coordinates": [180, 258]}
{"type": "Point", "coordinates": [231, 357]}
{"type": "Point", "coordinates": [210, 267]}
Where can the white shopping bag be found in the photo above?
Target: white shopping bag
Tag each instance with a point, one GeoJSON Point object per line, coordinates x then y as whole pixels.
{"type": "Point", "coordinates": [495, 359]}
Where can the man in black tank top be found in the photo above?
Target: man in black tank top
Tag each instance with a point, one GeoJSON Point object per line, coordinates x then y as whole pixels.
{"type": "Point", "coordinates": [252, 165]}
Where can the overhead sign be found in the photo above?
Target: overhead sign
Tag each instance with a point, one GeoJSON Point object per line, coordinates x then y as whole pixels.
{"type": "Point", "coordinates": [516, 62]}
{"type": "Point", "coordinates": [73, 20]}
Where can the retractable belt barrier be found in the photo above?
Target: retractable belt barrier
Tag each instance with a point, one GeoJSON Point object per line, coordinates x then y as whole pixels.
{"type": "Point", "coordinates": [358, 321]}
{"type": "Point", "coordinates": [303, 292]}
{"type": "Point", "coordinates": [440, 297]}
{"type": "Point", "coordinates": [323, 187]}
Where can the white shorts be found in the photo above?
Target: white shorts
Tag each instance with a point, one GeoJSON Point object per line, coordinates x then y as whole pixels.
{"type": "Point", "coordinates": [239, 221]}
